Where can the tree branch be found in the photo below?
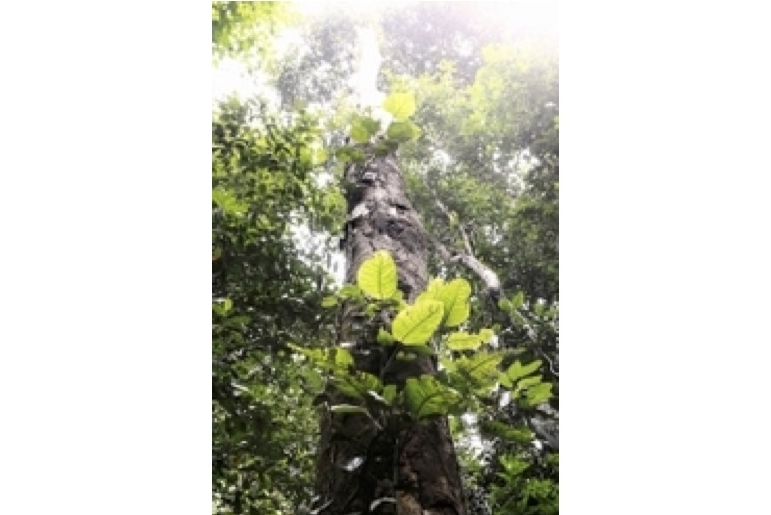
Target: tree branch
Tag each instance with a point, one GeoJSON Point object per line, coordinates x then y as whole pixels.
{"type": "Point", "coordinates": [469, 260]}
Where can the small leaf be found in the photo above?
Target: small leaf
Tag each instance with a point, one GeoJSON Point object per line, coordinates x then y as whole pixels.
{"type": "Point", "coordinates": [538, 394]}
{"type": "Point", "coordinates": [486, 335]}
{"type": "Point", "coordinates": [363, 128]}
{"type": "Point", "coordinates": [425, 396]}
{"type": "Point", "coordinates": [228, 202]}
{"type": "Point", "coordinates": [513, 466]}
{"type": "Point", "coordinates": [518, 300]}
{"type": "Point", "coordinates": [516, 370]}
{"type": "Point", "coordinates": [415, 324]}
{"type": "Point", "coordinates": [519, 434]}
{"type": "Point", "coordinates": [343, 358]}
{"type": "Point", "coordinates": [359, 134]}
{"type": "Point", "coordinates": [525, 382]}
{"type": "Point", "coordinates": [389, 393]}
{"type": "Point", "coordinates": [401, 105]}
{"type": "Point", "coordinates": [354, 155]}
{"type": "Point", "coordinates": [224, 307]}
{"type": "Point", "coordinates": [463, 341]}
{"type": "Point", "coordinates": [403, 131]}
{"type": "Point", "coordinates": [377, 275]}
{"type": "Point", "coordinates": [384, 337]}
{"type": "Point", "coordinates": [504, 380]}
{"type": "Point", "coordinates": [350, 291]}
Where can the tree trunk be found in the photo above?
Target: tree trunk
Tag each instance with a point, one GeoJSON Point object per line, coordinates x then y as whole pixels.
{"type": "Point", "coordinates": [404, 467]}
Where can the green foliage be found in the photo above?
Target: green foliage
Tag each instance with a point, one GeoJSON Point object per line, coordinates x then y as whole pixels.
{"type": "Point", "coordinates": [356, 385]}
{"type": "Point", "coordinates": [265, 289]}
{"type": "Point", "coordinates": [402, 132]}
{"type": "Point", "coordinates": [377, 276]}
{"type": "Point", "coordinates": [517, 371]}
{"type": "Point", "coordinates": [364, 130]}
{"type": "Point", "coordinates": [335, 359]}
{"type": "Point", "coordinates": [424, 396]}
{"type": "Point", "coordinates": [516, 491]}
{"type": "Point", "coordinates": [245, 28]}
{"type": "Point", "coordinates": [384, 337]}
{"type": "Point", "coordinates": [474, 375]}
{"type": "Point", "coordinates": [415, 324]}
{"type": "Point", "coordinates": [466, 341]}
{"type": "Point", "coordinates": [400, 105]}
{"type": "Point", "coordinates": [454, 296]}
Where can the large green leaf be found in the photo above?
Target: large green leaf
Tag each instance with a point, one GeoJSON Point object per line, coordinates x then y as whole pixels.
{"type": "Point", "coordinates": [363, 128]}
{"type": "Point", "coordinates": [425, 396]}
{"type": "Point", "coordinates": [432, 290]}
{"type": "Point", "coordinates": [401, 105]}
{"type": "Point", "coordinates": [415, 324]}
{"type": "Point", "coordinates": [454, 296]}
{"type": "Point", "coordinates": [377, 275]}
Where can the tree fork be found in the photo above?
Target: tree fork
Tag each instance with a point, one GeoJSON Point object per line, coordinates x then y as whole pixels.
{"type": "Point", "coordinates": [402, 467]}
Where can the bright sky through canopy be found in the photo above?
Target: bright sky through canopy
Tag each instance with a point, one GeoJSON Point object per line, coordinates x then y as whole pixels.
{"type": "Point", "coordinates": [520, 16]}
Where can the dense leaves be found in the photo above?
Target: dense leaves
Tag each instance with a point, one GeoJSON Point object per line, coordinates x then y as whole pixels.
{"type": "Point", "coordinates": [245, 28]}
{"type": "Point", "coordinates": [266, 288]}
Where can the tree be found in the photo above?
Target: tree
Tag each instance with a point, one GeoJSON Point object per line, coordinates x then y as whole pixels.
{"type": "Point", "coordinates": [362, 463]}
{"type": "Point", "coordinates": [264, 292]}
{"type": "Point", "coordinates": [486, 176]}
{"type": "Point", "coordinates": [482, 171]}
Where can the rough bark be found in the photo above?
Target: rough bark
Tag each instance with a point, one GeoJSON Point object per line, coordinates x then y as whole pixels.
{"type": "Point", "coordinates": [403, 467]}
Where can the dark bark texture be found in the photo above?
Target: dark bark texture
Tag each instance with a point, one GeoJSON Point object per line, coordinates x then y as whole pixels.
{"type": "Point", "coordinates": [401, 467]}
